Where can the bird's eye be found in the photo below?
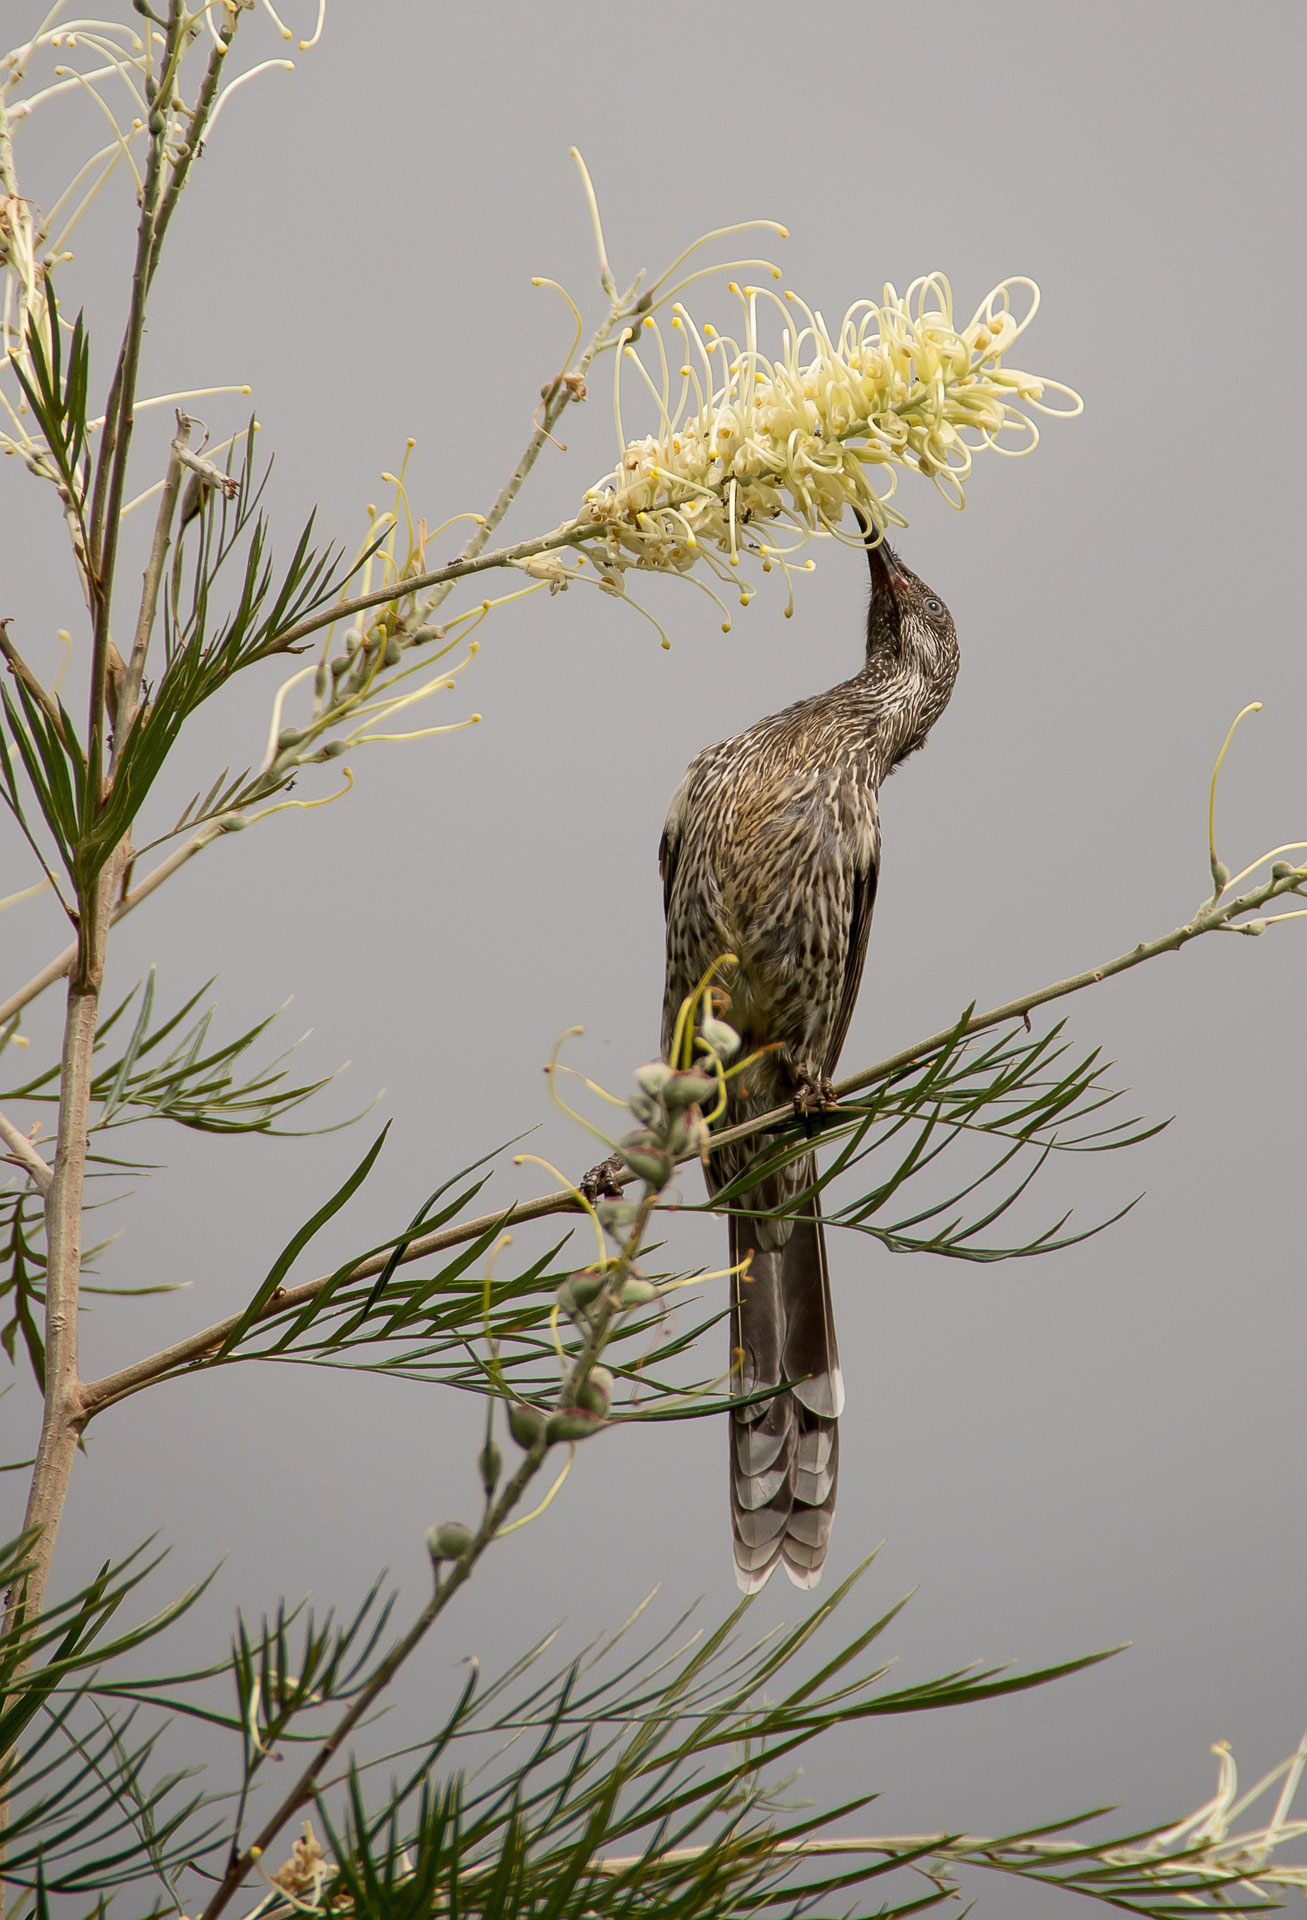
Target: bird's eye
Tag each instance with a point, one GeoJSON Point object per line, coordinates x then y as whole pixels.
{"type": "Point", "coordinates": [934, 606]}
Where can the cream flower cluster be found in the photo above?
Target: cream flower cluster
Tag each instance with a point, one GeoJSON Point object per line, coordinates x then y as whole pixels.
{"type": "Point", "coordinates": [823, 428]}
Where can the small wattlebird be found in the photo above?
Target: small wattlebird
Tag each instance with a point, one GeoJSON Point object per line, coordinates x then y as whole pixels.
{"type": "Point", "coordinates": [770, 854]}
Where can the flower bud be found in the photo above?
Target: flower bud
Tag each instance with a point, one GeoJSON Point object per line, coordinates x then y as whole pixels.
{"type": "Point", "coordinates": [394, 653]}
{"type": "Point", "coordinates": [526, 1424]}
{"type": "Point", "coordinates": [580, 1290]}
{"type": "Point", "coordinates": [615, 1214]}
{"type": "Point", "coordinates": [289, 737]}
{"type": "Point", "coordinates": [723, 1040]}
{"type": "Point", "coordinates": [596, 1393]}
{"type": "Point", "coordinates": [490, 1461]}
{"type": "Point", "coordinates": [637, 1293]}
{"type": "Point", "coordinates": [645, 1156]}
{"type": "Point", "coordinates": [449, 1541]}
{"type": "Point", "coordinates": [653, 1076]}
{"type": "Point", "coordinates": [689, 1089]}
{"type": "Point", "coordinates": [569, 1423]}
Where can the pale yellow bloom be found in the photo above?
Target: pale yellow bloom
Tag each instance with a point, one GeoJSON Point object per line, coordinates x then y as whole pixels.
{"type": "Point", "coordinates": [746, 441]}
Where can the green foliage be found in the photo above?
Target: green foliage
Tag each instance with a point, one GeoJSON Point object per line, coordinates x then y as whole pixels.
{"type": "Point", "coordinates": [188, 1081]}
{"type": "Point", "coordinates": [997, 1094]}
{"type": "Point", "coordinates": [56, 390]}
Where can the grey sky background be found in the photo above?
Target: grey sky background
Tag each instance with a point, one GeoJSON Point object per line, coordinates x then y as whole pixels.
{"type": "Point", "coordinates": [1060, 1455]}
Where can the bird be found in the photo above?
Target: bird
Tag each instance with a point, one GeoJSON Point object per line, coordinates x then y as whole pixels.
{"type": "Point", "coordinates": [770, 854]}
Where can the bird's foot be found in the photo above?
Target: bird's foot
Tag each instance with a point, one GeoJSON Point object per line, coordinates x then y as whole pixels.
{"type": "Point", "coordinates": [813, 1094]}
{"type": "Point", "coordinates": [601, 1183]}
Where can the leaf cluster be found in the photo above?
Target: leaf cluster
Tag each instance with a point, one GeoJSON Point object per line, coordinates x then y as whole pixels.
{"type": "Point", "coordinates": [1015, 1098]}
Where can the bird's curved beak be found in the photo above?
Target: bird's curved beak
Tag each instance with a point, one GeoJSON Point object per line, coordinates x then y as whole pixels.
{"type": "Point", "coordinates": [885, 569]}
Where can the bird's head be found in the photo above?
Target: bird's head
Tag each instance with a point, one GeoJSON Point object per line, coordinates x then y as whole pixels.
{"type": "Point", "coordinates": [908, 624]}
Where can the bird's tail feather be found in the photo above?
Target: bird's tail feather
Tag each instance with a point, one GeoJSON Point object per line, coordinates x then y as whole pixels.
{"type": "Point", "coordinates": [784, 1449]}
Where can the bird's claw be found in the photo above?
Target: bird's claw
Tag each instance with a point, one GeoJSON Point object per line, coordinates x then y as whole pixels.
{"type": "Point", "coordinates": [813, 1094]}
{"type": "Point", "coordinates": [601, 1183]}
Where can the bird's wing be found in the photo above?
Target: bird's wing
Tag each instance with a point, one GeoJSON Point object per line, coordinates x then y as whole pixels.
{"type": "Point", "coordinates": [863, 900]}
{"type": "Point", "coordinates": [668, 848]}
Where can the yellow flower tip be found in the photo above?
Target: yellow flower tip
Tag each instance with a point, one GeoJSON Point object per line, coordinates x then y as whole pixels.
{"type": "Point", "coordinates": [708, 329]}
{"type": "Point", "coordinates": [648, 319]}
{"type": "Point", "coordinates": [475, 720]}
{"type": "Point", "coordinates": [1256, 707]}
{"type": "Point", "coordinates": [666, 645]}
{"type": "Point", "coordinates": [789, 613]}
{"type": "Point", "coordinates": [676, 321]}
{"type": "Point", "coordinates": [784, 232]}
{"type": "Point", "coordinates": [247, 389]}
{"type": "Point", "coordinates": [726, 626]}
{"type": "Point", "coordinates": [735, 560]}
{"type": "Point", "coordinates": [410, 443]}
{"type": "Point", "coordinates": [776, 272]}
{"type": "Point", "coordinates": [256, 1853]}
{"type": "Point", "coordinates": [536, 281]}
{"type": "Point", "coordinates": [286, 33]}
{"type": "Point", "coordinates": [810, 566]}
{"type": "Point", "coordinates": [485, 606]}
{"type": "Point", "coordinates": [731, 287]}
{"type": "Point", "coordinates": [475, 647]}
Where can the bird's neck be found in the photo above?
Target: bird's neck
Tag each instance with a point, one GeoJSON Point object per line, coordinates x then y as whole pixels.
{"type": "Point", "coordinates": [899, 700]}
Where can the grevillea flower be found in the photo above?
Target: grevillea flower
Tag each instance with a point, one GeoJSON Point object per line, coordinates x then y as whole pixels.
{"type": "Point", "coordinates": [746, 442]}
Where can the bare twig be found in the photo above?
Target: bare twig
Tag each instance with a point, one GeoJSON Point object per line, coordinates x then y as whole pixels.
{"type": "Point", "coordinates": [19, 1148]}
{"type": "Point", "coordinates": [130, 691]}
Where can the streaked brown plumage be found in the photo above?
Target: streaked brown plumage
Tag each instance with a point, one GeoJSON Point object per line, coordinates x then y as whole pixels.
{"type": "Point", "coordinates": [771, 852]}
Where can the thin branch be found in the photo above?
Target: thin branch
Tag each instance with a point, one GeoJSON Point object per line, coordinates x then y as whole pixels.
{"type": "Point", "coordinates": [1212, 917]}
{"type": "Point", "coordinates": [497, 1510]}
{"type": "Point", "coordinates": [566, 535]}
{"type": "Point", "coordinates": [63, 1416]}
{"type": "Point", "coordinates": [111, 466]}
{"type": "Point", "coordinates": [18, 1147]}
{"type": "Point", "coordinates": [131, 686]}
{"type": "Point", "coordinates": [568, 386]}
